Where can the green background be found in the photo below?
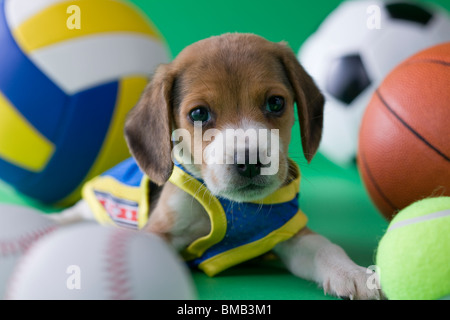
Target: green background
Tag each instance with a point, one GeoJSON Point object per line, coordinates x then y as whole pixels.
{"type": "Point", "coordinates": [334, 198]}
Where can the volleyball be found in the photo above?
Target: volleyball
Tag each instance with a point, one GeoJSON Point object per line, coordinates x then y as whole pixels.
{"type": "Point", "coordinates": [69, 73]}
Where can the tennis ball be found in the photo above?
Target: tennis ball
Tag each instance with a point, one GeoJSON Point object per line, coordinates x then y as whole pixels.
{"type": "Point", "coordinates": [413, 256]}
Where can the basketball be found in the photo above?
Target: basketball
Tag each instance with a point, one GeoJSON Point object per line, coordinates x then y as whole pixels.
{"type": "Point", "coordinates": [404, 149]}
{"type": "Point", "coordinates": [69, 73]}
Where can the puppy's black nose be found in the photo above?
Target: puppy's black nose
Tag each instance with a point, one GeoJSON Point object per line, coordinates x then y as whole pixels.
{"type": "Point", "coordinates": [250, 167]}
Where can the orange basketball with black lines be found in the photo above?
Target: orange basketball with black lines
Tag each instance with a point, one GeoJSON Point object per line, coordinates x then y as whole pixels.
{"type": "Point", "coordinates": [404, 139]}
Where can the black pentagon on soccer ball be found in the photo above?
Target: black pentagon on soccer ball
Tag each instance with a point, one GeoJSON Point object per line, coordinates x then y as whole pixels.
{"type": "Point", "coordinates": [347, 78]}
{"type": "Point", "coordinates": [409, 12]}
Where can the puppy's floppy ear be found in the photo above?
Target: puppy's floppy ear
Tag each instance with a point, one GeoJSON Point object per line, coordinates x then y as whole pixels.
{"type": "Point", "coordinates": [148, 127]}
{"type": "Point", "coordinates": [309, 99]}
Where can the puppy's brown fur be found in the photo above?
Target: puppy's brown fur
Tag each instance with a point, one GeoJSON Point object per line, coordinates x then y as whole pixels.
{"type": "Point", "coordinates": [235, 73]}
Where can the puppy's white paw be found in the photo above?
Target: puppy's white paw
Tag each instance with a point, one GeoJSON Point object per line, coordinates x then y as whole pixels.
{"type": "Point", "coordinates": [355, 283]}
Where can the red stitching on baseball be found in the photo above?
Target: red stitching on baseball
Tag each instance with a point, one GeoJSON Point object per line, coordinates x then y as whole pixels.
{"type": "Point", "coordinates": [21, 244]}
{"type": "Point", "coordinates": [25, 243]}
{"type": "Point", "coordinates": [118, 277]}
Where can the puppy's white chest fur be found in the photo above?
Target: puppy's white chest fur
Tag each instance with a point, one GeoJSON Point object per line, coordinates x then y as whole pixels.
{"type": "Point", "coordinates": [190, 219]}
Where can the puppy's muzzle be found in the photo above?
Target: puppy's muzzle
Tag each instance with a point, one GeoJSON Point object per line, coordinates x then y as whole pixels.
{"type": "Point", "coordinates": [250, 166]}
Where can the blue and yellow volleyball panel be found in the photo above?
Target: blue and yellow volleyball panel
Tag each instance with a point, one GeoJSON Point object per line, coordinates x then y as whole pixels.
{"type": "Point", "coordinates": [64, 94]}
{"type": "Point", "coordinates": [99, 16]}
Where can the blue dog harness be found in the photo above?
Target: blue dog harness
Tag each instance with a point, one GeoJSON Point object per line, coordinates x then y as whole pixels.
{"type": "Point", "coordinates": [239, 231]}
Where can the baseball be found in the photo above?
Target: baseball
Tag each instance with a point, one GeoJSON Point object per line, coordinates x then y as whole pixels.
{"type": "Point", "coordinates": [93, 262]}
{"type": "Point", "coordinates": [20, 227]}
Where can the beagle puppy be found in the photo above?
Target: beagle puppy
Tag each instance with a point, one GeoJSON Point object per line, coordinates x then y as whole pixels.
{"type": "Point", "coordinates": [210, 170]}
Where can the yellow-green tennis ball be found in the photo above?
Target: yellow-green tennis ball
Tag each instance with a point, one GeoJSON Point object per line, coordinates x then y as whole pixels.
{"type": "Point", "coordinates": [414, 255]}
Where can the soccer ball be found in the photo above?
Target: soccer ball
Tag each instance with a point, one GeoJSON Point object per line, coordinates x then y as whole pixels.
{"type": "Point", "coordinates": [351, 53]}
{"type": "Point", "coordinates": [69, 73]}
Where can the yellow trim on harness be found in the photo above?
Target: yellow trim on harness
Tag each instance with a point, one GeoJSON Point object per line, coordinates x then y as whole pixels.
{"type": "Point", "coordinates": [218, 219]}
{"type": "Point", "coordinates": [216, 212]}
{"type": "Point", "coordinates": [286, 193]}
{"type": "Point", "coordinates": [144, 202]}
{"type": "Point", "coordinates": [227, 259]}
{"type": "Point", "coordinates": [117, 189]}
{"type": "Point", "coordinates": [212, 206]}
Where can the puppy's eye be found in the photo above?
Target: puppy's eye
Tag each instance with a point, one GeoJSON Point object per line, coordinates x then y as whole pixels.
{"type": "Point", "coordinates": [275, 104]}
{"type": "Point", "coordinates": [200, 114]}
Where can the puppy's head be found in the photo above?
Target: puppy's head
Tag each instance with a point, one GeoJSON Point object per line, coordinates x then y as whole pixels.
{"type": "Point", "coordinates": [227, 102]}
